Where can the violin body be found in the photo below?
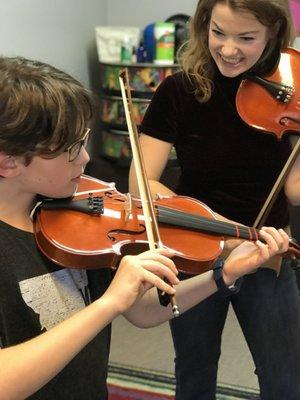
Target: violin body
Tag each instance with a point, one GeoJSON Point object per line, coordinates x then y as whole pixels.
{"type": "Point", "coordinates": [76, 236]}
{"type": "Point", "coordinates": [76, 239]}
{"type": "Point", "coordinates": [275, 109]}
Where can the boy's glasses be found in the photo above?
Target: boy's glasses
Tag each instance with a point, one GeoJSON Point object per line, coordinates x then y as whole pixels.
{"type": "Point", "coordinates": [75, 148]}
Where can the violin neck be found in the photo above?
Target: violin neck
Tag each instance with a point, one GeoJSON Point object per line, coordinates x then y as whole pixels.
{"type": "Point", "coordinates": [205, 225]}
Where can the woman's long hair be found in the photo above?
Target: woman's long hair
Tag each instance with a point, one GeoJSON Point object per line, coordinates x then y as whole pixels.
{"type": "Point", "coordinates": [195, 58]}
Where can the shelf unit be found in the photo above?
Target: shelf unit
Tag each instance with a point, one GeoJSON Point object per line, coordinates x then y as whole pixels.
{"type": "Point", "coordinates": [144, 79]}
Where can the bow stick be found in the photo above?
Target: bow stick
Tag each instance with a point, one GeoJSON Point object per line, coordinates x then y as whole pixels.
{"type": "Point", "coordinates": [143, 184]}
{"type": "Point", "coordinates": [265, 210]}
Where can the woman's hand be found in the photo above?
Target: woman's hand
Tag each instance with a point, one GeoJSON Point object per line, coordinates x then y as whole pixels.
{"type": "Point", "coordinates": [229, 245]}
{"type": "Point", "coordinates": [137, 274]}
{"type": "Point", "coordinates": [248, 256]}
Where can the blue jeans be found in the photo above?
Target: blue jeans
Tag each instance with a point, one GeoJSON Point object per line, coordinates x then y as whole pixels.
{"type": "Point", "coordinates": [268, 311]}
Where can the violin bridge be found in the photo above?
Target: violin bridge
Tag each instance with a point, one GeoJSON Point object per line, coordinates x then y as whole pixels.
{"type": "Point", "coordinates": [128, 206]}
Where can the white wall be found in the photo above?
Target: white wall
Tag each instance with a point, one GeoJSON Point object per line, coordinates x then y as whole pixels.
{"type": "Point", "coordinates": [142, 12]}
{"type": "Point", "coordinates": [60, 32]}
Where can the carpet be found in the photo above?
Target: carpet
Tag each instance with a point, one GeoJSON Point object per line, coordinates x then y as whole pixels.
{"type": "Point", "coordinates": [130, 383]}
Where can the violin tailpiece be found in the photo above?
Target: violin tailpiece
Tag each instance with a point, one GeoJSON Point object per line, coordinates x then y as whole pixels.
{"type": "Point", "coordinates": [279, 91]}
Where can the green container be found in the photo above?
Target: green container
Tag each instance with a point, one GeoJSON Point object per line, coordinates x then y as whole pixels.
{"type": "Point", "coordinates": [164, 33]}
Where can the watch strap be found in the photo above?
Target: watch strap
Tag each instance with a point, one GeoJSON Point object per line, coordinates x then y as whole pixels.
{"type": "Point", "coordinates": [223, 289]}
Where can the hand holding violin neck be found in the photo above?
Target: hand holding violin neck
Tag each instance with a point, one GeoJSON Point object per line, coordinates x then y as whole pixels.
{"type": "Point", "coordinates": [209, 225]}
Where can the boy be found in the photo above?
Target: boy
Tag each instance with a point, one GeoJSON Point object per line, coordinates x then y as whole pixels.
{"type": "Point", "coordinates": [51, 345]}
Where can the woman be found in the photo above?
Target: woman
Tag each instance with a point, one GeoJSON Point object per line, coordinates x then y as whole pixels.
{"type": "Point", "coordinates": [227, 165]}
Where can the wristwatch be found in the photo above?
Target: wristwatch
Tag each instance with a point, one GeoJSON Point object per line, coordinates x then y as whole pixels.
{"type": "Point", "coordinates": [223, 289]}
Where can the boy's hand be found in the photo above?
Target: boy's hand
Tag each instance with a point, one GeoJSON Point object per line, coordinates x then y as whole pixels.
{"type": "Point", "coordinates": [248, 256]}
{"type": "Point", "coordinates": [137, 274]}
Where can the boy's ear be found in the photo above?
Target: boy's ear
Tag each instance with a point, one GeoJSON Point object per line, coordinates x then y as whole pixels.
{"type": "Point", "coordinates": [8, 166]}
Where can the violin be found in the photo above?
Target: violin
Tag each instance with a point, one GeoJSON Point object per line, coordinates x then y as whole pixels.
{"type": "Point", "coordinates": [272, 104]}
{"type": "Point", "coordinates": [99, 225]}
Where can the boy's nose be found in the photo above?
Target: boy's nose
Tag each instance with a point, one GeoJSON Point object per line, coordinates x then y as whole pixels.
{"type": "Point", "coordinates": [83, 157]}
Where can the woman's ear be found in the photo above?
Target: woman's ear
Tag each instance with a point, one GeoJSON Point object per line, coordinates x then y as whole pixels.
{"type": "Point", "coordinates": [8, 166]}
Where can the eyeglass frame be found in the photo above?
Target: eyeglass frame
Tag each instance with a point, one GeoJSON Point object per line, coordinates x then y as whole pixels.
{"type": "Point", "coordinates": [81, 142]}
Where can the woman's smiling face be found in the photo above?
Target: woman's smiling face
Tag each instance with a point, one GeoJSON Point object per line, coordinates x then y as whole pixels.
{"type": "Point", "coordinates": [236, 39]}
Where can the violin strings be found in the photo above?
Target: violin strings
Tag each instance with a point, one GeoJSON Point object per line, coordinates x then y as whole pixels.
{"type": "Point", "coordinates": [180, 218]}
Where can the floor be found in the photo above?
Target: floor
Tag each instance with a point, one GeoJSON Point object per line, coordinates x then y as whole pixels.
{"type": "Point", "coordinates": [153, 350]}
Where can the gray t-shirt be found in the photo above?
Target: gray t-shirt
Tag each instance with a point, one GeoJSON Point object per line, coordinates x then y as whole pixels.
{"type": "Point", "coordinates": [36, 294]}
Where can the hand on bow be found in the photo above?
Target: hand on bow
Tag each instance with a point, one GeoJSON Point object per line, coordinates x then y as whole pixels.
{"type": "Point", "coordinates": [137, 274]}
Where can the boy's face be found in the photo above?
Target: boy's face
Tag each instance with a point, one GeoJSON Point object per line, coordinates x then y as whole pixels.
{"type": "Point", "coordinates": [55, 177]}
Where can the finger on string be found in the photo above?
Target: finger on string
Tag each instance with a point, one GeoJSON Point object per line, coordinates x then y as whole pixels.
{"type": "Point", "coordinates": [277, 235]}
{"type": "Point", "coordinates": [286, 239]}
{"type": "Point", "coordinates": [271, 242]}
{"type": "Point", "coordinates": [264, 249]}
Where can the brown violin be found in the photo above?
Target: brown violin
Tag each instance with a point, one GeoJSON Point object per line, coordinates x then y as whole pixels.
{"type": "Point", "coordinates": [272, 104]}
{"type": "Point", "coordinates": [99, 225]}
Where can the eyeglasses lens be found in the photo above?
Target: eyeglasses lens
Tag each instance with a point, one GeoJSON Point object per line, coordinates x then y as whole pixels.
{"type": "Point", "coordinates": [74, 150]}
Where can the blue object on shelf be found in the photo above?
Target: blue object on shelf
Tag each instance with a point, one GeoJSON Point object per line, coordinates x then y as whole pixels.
{"type": "Point", "coordinates": [141, 53]}
{"type": "Point", "coordinates": [149, 42]}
